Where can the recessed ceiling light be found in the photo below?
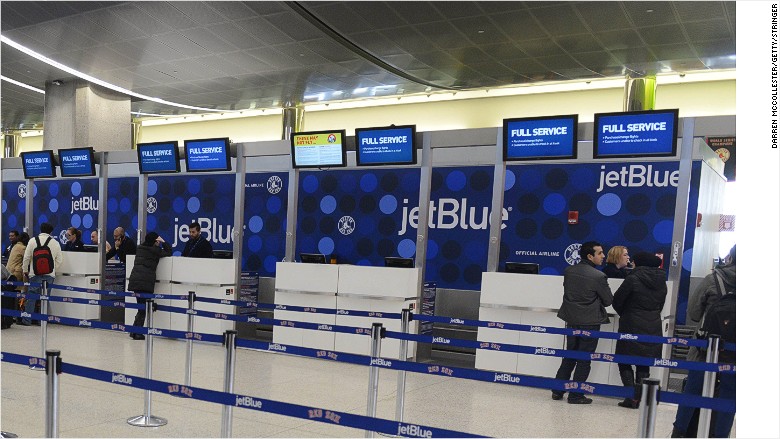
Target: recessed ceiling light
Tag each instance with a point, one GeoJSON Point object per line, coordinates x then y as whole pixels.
{"type": "Point", "coordinates": [649, 11]}
{"type": "Point", "coordinates": [481, 31]}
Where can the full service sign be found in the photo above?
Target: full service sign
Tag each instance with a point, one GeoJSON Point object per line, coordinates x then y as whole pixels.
{"type": "Point", "coordinates": [540, 138]}
{"type": "Point", "coordinates": [38, 164]}
{"type": "Point", "coordinates": [636, 134]}
{"type": "Point", "coordinates": [319, 149]}
{"type": "Point", "coordinates": [385, 146]}
{"type": "Point", "coordinates": [160, 157]}
{"type": "Point", "coordinates": [76, 162]}
{"type": "Point", "coordinates": [207, 155]}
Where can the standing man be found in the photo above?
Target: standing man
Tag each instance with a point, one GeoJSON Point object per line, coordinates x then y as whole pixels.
{"type": "Point", "coordinates": [197, 246]}
{"type": "Point", "coordinates": [13, 236]}
{"type": "Point", "coordinates": [123, 246]}
{"type": "Point", "coordinates": [40, 265]}
{"type": "Point", "coordinates": [586, 294]}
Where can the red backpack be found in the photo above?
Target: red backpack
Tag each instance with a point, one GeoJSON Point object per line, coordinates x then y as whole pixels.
{"type": "Point", "coordinates": [42, 259]}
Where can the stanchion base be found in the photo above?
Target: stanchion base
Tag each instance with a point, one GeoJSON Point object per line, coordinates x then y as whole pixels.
{"type": "Point", "coordinates": [37, 368]}
{"type": "Point", "coordinates": [144, 421]}
{"type": "Point", "coordinates": [7, 434]}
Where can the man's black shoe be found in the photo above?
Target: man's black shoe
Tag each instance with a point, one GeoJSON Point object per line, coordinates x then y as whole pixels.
{"type": "Point", "coordinates": [581, 400]}
{"type": "Point", "coordinates": [36, 323]}
{"type": "Point", "coordinates": [557, 396]}
{"type": "Point", "coordinates": [138, 336]}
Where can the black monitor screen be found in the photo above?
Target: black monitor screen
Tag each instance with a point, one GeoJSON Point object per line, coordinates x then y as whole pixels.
{"type": "Point", "coordinates": [313, 258]}
{"type": "Point", "coordinates": [90, 248]}
{"type": "Point", "coordinates": [207, 155]}
{"type": "Point", "coordinates": [158, 157]}
{"type": "Point", "coordinates": [38, 164]}
{"type": "Point", "coordinates": [650, 133]}
{"type": "Point", "coordinates": [522, 267]}
{"type": "Point", "coordinates": [222, 254]}
{"type": "Point", "coordinates": [319, 149]}
{"type": "Point", "coordinates": [391, 261]}
{"type": "Point", "coordinates": [77, 162]}
{"type": "Point", "coordinates": [537, 138]}
{"type": "Point", "coordinates": [385, 146]}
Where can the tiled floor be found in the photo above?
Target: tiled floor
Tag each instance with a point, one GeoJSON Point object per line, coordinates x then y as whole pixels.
{"type": "Point", "coordinates": [90, 408]}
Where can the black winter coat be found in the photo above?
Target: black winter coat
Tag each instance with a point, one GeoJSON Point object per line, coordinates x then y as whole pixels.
{"type": "Point", "coordinates": [639, 302]}
{"type": "Point", "coordinates": [144, 273]}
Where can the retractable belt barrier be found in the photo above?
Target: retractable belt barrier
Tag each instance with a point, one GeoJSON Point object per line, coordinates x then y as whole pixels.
{"type": "Point", "coordinates": [318, 414]}
{"type": "Point", "coordinates": [20, 284]}
{"type": "Point", "coordinates": [108, 303]}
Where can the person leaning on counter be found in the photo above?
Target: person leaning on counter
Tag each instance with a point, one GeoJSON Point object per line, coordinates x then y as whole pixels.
{"type": "Point", "coordinates": [123, 246]}
{"type": "Point", "coordinates": [197, 246]}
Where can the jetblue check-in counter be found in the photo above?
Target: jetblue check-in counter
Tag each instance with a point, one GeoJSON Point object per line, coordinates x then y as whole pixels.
{"type": "Point", "coordinates": [78, 269]}
{"type": "Point", "coordinates": [208, 278]}
{"type": "Point", "coordinates": [344, 287]}
{"type": "Point", "coordinates": [534, 300]}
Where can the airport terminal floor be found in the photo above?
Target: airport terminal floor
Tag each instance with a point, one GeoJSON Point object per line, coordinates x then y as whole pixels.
{"type": "Point", "coordinates": [90, 408]}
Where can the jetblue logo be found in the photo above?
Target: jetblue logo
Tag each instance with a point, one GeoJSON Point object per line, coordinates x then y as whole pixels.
{"type": "Point", "coordinates": [277, 347]}
{"type": "Point", "coordinates": [26, 315]}
{"type": "Point", "coordinates": [324, 328]}
{"type": "Point", "coordinates": [83, 203]}
{"type": "Point", "coordinates": [210, 229]}
{"type": "Point", "coordinates": [505, 378]}
{"type": "Point", "coordinates": [85, 323]}
{"type": "Point", "coordinates": [538, 329]}
{"type": "Point", "coordinates": [450, 213]}
{"type": "Point", "coordinates": [93, 302]}
{"type": "Point", "coordinates": [441, 340]}
{"type": "Point", "coordinates": [342, 312]}
{"type": "Point", "coordinates": [664, 362]}
{"type": "Point", "coordinates": [628, 337]}
{"type": "Point", "coordinates": [154, 331]}
{"type": "Point", "coordinates": [248, 401]}
{"type": "Point", "coordinates": [544, 351]}
{"type": "Point", "coordinates": [637, 176]}
{"type": "Point", "coordinates": [381, 362]}
{"type": "Point", "coordinates": [281, 307]}
{"type": "Point", "coordinates": [413, 431]}
{"type": "Point", "coordinates": [252, 319]}
{"type": "Point", "coordinates": [121, 379]}
{"type": "Point", "coordinates": [457, 321]}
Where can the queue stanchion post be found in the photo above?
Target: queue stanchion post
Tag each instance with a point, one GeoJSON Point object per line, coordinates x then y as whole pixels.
{"type": "Point", "coordinates": [648, 406]}
{"type": "Point", "coordinates": [230, 372]}
{"type": "Point", "coordinates": [190, 327]}
{"type": "Point", "coordinates": [44, 328]}
{"type": "Point", "coordinates": [53, 369]}
{"type": "Point", "coordinates": [406, 317]}
{"type": "Point", "coordinates": [147, 419]}
{"type": "Point", "coordinates": [373, 373]}
{"type": "Point", "coordinates": [708, 388]}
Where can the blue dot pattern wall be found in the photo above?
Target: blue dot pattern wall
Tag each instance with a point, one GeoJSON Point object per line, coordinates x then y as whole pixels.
{"type": "Point", "coordinates": [459, 226]}
{"type": "Point", "coordinates": [173, 202]}
{"type": "Point", "coordinates": [122, 207]}
{"type": "Point", "coordinates": [618, 204]}
{"type": "Point", "coordinates": [66, 203]}
{"type": "Point", "coordinates": [357, 215]}
{"type": "Point", "coordinates": [13, 207]}
{"type": "Point", "coordinates": [265, 222]}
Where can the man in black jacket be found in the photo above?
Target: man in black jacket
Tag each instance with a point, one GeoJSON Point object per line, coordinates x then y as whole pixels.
{"type": "Point", "coordinates": [586, 294]}
{"type": "Point", "coordinates": [123, 245]}
{"type": "Point", "coordinates": [197, 246]}
{"type": "Point", "coordinates": [144, 273]}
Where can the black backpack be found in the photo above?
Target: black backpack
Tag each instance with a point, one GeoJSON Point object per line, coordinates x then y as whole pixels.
{"type": "Point", "coordinates": [721, 318]}
{"type": "Point", "coordinates": [42, 259]}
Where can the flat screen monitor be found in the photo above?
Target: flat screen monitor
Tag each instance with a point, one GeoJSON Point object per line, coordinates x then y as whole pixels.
{"type": "Point", "coordinates": [222, 254]}
{"type": "Point", "coordinates": [158, 157]}
{"type": "Point", "coordinates": [313, 258]}
{"type": "Point", "coordinates": [77, 162]}
{"type": "Point", "coordinates": [38, 164]}
{"type": "Point", "coordinates": [207, 155]}
{"type": "Point", "coordinates": [392, 261]}
{"type": "Point", "coordinates": [319, 149]}
{"type": "Point", "coordinates": [522, 267]}
{"type": "Point", "coordinates": [393, 145]}
{"type": "Point", "coordinates": [635, 134]}
{"type": "Point", "coordinates": [540, 138]}
{"type": "Point", "coordinates": [91, 248]}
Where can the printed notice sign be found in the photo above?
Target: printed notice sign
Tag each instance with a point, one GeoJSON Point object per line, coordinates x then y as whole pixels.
{"type": "Point", "coordinates": [318, 149]}
{"type": "Point", "coordinates": [637, 134]}
{"type": "Point", "coordinates": [540, 138]}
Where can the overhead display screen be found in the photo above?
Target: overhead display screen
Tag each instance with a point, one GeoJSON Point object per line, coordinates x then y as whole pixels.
{"type": "Point", "coordinates": [77, 162]}
{"type": "Point", "coordinates": [386, 145]}
{"type": "Point", "coordinates": [158, 157]}
{"type": "Point", "coordinates": [207, 155]}
{"type": "Point", "coordinates": [635, 134]}
{"type": "Point", "coordinates": [38, 164]}
{"type": "Point", "coordinates": [319, 149]}
{"type": "Point", "coordinates": [539, 138]}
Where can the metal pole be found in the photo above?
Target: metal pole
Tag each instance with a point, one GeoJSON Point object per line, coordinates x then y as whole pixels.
{"type": "Point", "coordinates": [44, 328]}
{"type": "Point", "coordinates": [400, 394]}
{"type": "Point", "coordinates": [147, 420]}
{"type": "Point", "coordinates": [190, 326]}
{"type": "Point", "coordinates": [648, 405]}
{"type": "Point", "coordinates": [708, 388]}
{"type": "Point", "coordinates": [53, 369]}
{"type": "Point", "coordinates": [230, 372]}
{"type": "Point", "coordinates": [373, 373]}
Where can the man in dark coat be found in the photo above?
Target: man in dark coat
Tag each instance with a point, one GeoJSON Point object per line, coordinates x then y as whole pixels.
{"type": "Point", "coordinates": [639, 302]}
{"type": "Point", "coordinates": [123, 245]}
{"type": "Point", "coordinates": [586, 294]}
{"type": "Point", "coordinates": [197, 246]}
{"type": "Point", "coordinates": [144, 273]}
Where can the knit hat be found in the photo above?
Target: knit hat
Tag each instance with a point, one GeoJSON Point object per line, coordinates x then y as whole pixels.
{"type": "Point", "coordinates": [150, 238]}
{"type": "Point", "coordinates": [644, 259]}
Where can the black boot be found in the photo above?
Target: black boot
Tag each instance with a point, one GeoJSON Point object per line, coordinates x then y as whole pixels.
{"type": "Point", "coordinates": [627, 378]}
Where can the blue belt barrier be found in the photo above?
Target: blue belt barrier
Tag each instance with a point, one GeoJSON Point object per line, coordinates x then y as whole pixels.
{"type": "Point", "coordinates": [309, 309]}
{"type": "Point", "coordinates": [20, 284]}
{"type": "Point", "coordinates": [109, 303]}
{"type": "Point", "coordinates": [120, 293]}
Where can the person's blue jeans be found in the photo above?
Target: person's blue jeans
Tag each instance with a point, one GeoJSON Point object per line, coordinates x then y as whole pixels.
{"type": "Point", "coordinates": [693, 386]}
{"type": "Point", "coordinates": [29, 305]}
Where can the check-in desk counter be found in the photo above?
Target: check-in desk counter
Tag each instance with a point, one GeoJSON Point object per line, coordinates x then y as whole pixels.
{"type": "Point", "coordinates": [208, 278]}
{"type": "Point", "coordinates": [307, 285]}
{"type": "Point", "coordinates": [78, 269]}
{"type": "Point", "coordinates": [534, 300]}
{"type": "Point", "coordinates": [378, 290]}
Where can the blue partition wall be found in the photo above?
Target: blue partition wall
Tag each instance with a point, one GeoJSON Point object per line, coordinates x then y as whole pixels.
{"type": "Point", "coordinates": [64, 203]}
{"type": "Point", "coordinates": [173, 202]}
{"type": "Point", "coordinates": [122, 207]}
{"type": "Point", "coordinates": [13, 207]}
{"type": "Point", "coordinates": [265, 222]}
{"type": "Point", "coordinates": [459, 226]}
{"type": "Point", "coordinates": [359, 216]}
{"type": "Point", "coordinates": [629, 204]}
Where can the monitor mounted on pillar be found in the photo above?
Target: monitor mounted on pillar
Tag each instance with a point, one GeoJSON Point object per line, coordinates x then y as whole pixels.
{"type": "Point", "coordinates": [77, 162]}
{"type": "Point", "coordinates": [38, 164]}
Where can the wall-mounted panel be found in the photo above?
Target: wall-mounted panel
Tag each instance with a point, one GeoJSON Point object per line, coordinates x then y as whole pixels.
{"type": "Point", "coordinates": [265, 221]}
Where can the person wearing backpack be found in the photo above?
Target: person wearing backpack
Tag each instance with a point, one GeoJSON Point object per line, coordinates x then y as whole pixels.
{"type": "Point", "coordinates": [41, 258]}
{"type": "Point", "coordinates": [713, 308]}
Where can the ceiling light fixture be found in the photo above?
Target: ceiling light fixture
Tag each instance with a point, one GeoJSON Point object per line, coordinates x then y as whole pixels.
{"type": "Point", "coordinates": [97, 81]}
{"type": "Point", "coordinates": [58, 82]}
{"type": "Point", "coordinates": [23, 85]}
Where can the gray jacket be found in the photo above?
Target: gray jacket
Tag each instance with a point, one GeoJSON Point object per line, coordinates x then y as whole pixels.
{"type": "Point", "coordinates": [586, 294]}
{"type": "Point", "coordinates": [705, 295]}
